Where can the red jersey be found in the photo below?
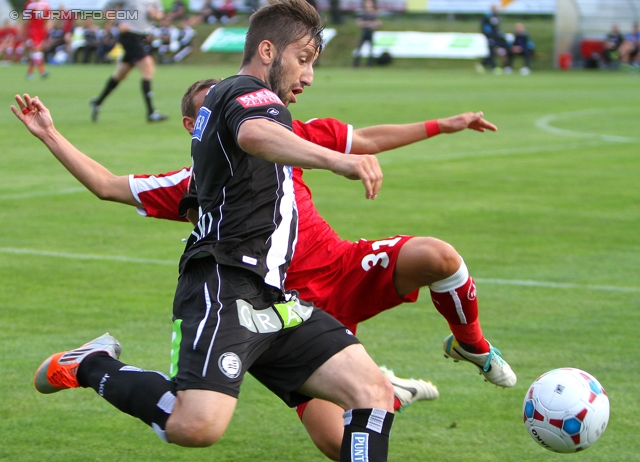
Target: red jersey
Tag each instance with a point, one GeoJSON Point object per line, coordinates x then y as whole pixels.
{"type": "Point", "coordinates": [37, 24]}
{"type": "Point", "coordinates": [39, 13]}
{"type": "Point", "coordinates": [318, 244]}
{"type": "Point", "coordinates": [160, 195]}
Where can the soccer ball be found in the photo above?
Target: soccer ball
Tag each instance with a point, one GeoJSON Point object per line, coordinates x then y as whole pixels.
{"type": "Point", "coordinates": [566, 410]}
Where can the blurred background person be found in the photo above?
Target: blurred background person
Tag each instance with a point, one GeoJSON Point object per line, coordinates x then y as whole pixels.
{"type": "Point", "coordinates": [612, 42]}
{"type": "Point", "coordinates": [629, 47]}
{"type": "Point", "coordinates": [37, 32]}
{"type": "Point", "coordinates": [523, 46]}
{"type": "Point", "coordinates": [132, 35]}
{"type": "Point", "coordinates": [368, 22]}
{"type": "Point", "coordinates": [490, 27]}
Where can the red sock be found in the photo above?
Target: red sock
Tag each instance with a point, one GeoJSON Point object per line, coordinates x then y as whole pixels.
{"type": "Point", "coordinates": [396, 403]}
{"type": "Point", "coordinates": [455, 299]}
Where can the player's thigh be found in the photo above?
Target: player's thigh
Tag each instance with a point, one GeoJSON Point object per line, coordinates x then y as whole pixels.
{"type": "Point", "coordinates": [351, 379]}
{"type": "Point", "coordinates": [364, 286]}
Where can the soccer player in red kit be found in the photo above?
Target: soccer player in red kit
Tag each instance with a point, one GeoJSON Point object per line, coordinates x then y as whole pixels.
{"type": "Point", "coordinates": [36, 14]}
{"type": "Point", "coordinates": [335, 274]}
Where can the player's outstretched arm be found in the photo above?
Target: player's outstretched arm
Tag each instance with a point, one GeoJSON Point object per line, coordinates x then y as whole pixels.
{"type": "Point", "coordinates": [270, 141]}
{"type": "Point", "coordinates": [380, 138]}
{"type": "Point", "coordinates": [94, 176]}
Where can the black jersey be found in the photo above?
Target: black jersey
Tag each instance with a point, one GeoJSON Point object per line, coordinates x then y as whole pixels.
{"type": "Point", "coordinates": [248, 215]}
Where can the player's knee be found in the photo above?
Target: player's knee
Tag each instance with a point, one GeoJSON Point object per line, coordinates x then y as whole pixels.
{"type": "Point", "coordinates": [443, 258]}
{"type": "Point", "coordinates": [192, 433]}
{"type": "Point", "coordinates": [378, 393]}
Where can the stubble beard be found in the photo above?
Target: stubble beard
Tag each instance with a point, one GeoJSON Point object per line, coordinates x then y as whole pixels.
{"type": "Point", "coordinates": [276, 80]}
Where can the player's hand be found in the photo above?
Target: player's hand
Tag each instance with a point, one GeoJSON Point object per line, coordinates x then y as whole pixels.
{"type": "Point", "coordinates": [470, 120]}
{"type": "Point", "coordinates": [33, 114]}
{"type": "Point", "coordinates": [361, 167]}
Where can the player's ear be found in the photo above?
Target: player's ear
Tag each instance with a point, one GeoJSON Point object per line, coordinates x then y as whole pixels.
{"type": "Point", "coordinates": [189, 124]}
{"type": "Point", "coordinates": [266, 52]}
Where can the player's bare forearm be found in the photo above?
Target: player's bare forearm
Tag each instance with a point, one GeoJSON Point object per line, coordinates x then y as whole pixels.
{"type": "Point", "coordinates": [380, 138]}
{"type": "Point", "coordinates": [94, 176]}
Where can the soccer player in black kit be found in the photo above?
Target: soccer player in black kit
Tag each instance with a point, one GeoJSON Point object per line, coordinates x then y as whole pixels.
{"type": "Point", "coordinates": [133, 29]}
{"type": "Point", "coordinates": [231, 312]}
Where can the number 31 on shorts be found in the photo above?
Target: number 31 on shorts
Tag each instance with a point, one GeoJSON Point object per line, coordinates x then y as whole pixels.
{"type": "Point", "coordinates": [381, 258]}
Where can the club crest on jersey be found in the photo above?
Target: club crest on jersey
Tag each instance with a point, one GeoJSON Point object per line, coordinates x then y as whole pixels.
{"type": "Point", "coordinates": [273, 111]}
{"type": "Point", "coordinates": [201, 123]}
{"type": "Point", "coordinates": [230, 365]}
{"type": "Point", "coordinates": [471, 293]}
{"type": "Point", "coordinates": [258, 98]}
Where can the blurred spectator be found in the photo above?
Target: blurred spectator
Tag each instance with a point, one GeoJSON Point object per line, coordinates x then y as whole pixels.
{"type": "Point", "coordinates": [521, 46]}
{"type": "Point", "coordinates": [630, 46]}
{"type": "Point", "coordinates": [224, 11]}
{"type": "Point", "coordinates": [67, 23]}
{"type": "Point", "coordinates": [91, 34]}
{"type": "Point", "coordinates": [108, 41]}
{"type": "Point", "coordinates": [335, 12]}
{"type": "Point", "coordinates": [177, 12]}
{"type": "Point", "coordinates": [214, 11]}
{"type": "Point", "coordinates": [170, 43]}
{"type": "Point", "coordinates": [490, 27]}
{"type": "Point", "coordinates": [9, 43]}
{"type": "Point", "coordinates": [612, 43]}
{"type": "Point", "coordinates": [368, 22]}
{"type": "Point", "coordinates": [56, 47]}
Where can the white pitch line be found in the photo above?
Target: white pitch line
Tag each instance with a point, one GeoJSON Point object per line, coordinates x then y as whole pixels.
{"type": "Point", "coordinates": [510, 282]}
{"type": "Point", "coordinates": [544, 123]}
{"type": "Point", "coordinates": [556, 285]}
{"type": "Point", "coordinates": [76, 256]}
{"type": "Point", "coordinates": [41, 194]}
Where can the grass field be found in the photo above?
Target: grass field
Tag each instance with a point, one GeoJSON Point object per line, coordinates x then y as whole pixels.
{"type": "Point", "coordinates": [545, 212]}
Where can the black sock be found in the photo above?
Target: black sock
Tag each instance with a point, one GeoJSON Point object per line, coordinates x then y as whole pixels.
{"type": "Point", "coordinates": [108, 88]}
{"type": "Point", "coordinates": [366, 435]}
{"type": "Point", "coordinates": [147, 395]}
{"type": "Point", "coordinates": [146, 92]}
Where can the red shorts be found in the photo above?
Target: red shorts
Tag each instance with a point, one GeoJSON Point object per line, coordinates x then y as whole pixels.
{"type": "Point", "coordinates": [37, 38]}
{"type": "Point", "coordinates": [356, 286]}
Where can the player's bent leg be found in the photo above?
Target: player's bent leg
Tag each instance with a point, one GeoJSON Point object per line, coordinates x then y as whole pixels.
{"type": "Point", "coordinates": [352, 380]}
{"type": "Point", "coordinates": [324, 422]}
{"type": "Point", "coordinates": [199, 417]}
{"type": "Point", "coordinates": [423, 261]}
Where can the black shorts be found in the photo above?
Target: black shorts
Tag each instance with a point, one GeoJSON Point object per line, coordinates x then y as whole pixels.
{"type": "Point", "coordinates": [134, 45]}
{"type": "Point", "coordinates": [228, 322]}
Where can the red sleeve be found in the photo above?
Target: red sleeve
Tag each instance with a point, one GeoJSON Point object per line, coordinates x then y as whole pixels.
{"type": "Point", "coordinates": [329, 133]}
{"type": "Point", "coordinates": [160, 195]}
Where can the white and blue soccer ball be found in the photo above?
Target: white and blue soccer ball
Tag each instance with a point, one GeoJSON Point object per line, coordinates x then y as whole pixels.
{"type": "Point", "coordinates": [566, 410]}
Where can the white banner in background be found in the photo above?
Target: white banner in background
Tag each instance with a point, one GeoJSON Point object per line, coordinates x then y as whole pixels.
{"type": "Point", "coordinates": [429, 45]}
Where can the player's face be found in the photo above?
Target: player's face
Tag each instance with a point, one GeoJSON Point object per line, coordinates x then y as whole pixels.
{"type": "Point", "coordinates": [292, 70]}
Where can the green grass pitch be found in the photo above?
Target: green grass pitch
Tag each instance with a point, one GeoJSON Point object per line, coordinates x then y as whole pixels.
{"type": "Point", "coordinates": [545, 212]}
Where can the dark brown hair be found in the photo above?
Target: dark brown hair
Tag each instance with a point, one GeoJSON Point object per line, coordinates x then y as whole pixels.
{"type": "Point", "coordinates": [283, 22]}
{"type": "Point", "coordinates": [186, 105]}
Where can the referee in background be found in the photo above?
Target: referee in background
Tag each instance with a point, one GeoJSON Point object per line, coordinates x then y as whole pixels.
{"type": "Point", "coordinates": [133, 30]}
